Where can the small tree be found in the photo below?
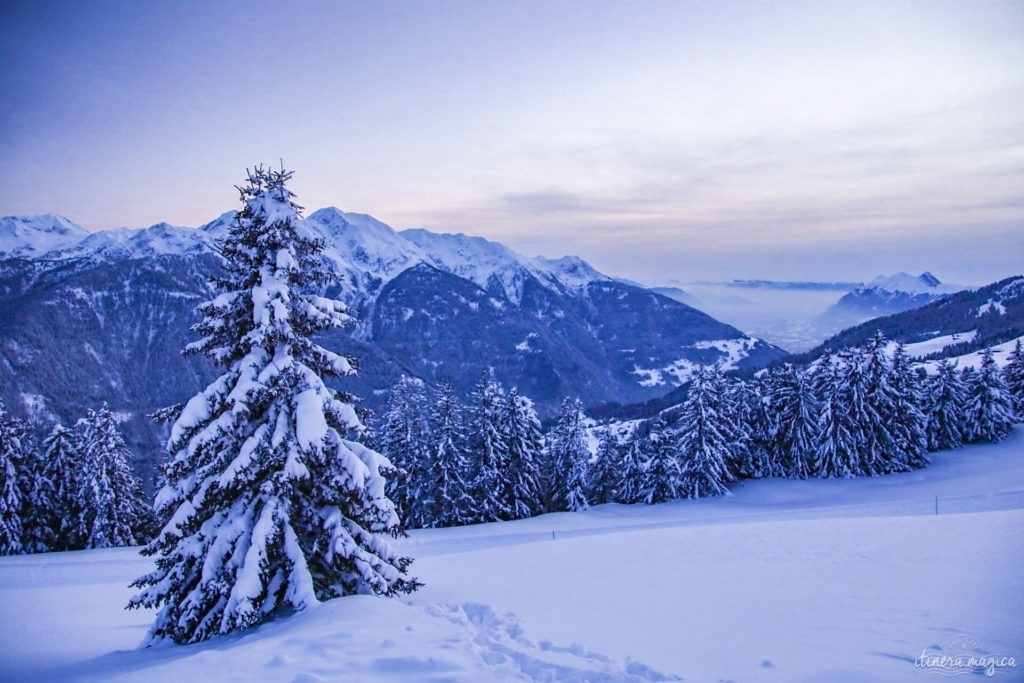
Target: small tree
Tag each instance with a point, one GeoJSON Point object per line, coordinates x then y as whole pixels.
{"type": "Point", "coordinates": [1014, 375]}
{"type": "Point", "coordinates": [449, 500]}
{"type": "Point", "coordinates": [404, 441]}
{"type": "Point", "coordinates": [989, 407]}
{"type": "Point", "coordinates": [795, 428]}
{"type": "Point", "coordinates": [271, 504]}
{"type": "Point", "coordinates": [489, 449]}
{"type": "Point", "coordinates": [605, 474]}
{"type": "Point", "coordinates": [111, 507]}
{"type": "Point", "coordinates": [62, 461]}
{"type": "Point", "coordinates": [38, 505]}
{"type": "Point", "coordinates": [661, 479]}
{"type": "Point", "coordinates": [945, 407]}
{"type": "Point", "coordinates": [907, 423]}
{"type": "Point", "coordinates": [748, 427]}
{"type": "Point", "coordinates": [525, 446]}
{"type": "Point", "coordinates": [10, 496]}
{"type": "Point", "coordinates": [704, 447]}
{"type": "Point", "coordinates": [873, 417]}
{"type": "Point", "coordinates": [629, 489]}
{"type": "Point", "coordinates": [568, 459]}
{"type": "Point", "coordinates": [836, 450]}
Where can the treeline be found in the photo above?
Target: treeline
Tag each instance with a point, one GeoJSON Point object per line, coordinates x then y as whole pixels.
{"type": "Point", "coordinates": [864, 411]}
{"type": "Point", "coordinates": [74, 490]}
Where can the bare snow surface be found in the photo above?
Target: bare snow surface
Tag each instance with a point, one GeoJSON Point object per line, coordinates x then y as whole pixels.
{"type": "Point", "coordinates": [836, 581]}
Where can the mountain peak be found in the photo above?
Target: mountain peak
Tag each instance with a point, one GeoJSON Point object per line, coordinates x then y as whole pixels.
{"type": "Point", "coordinates": [35, 235]}
{"type": "Point", "coordinates": [925, 283]}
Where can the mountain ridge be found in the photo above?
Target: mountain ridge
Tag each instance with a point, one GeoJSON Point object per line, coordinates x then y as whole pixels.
{"type": "Point", "coordinates": [104, 319]}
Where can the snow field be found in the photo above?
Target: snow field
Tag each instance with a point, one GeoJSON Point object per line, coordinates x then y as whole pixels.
{"type": "Point", "coordinates": [819, 580]}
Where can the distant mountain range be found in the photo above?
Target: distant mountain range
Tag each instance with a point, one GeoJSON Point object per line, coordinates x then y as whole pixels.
{"type": "Point", "coordinates": [886, 295]}
{"type": "Point", "coordinates": [952, 325]}
{"type": "Point", "coordinates": [92, 317]}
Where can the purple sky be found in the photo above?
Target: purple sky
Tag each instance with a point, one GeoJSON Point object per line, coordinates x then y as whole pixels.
{"type": "Point", "coordinates": [659, 140]}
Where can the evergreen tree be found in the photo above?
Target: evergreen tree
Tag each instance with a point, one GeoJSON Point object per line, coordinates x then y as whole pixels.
{"type": "Point", "coordinates": [605, 474]}
{"type": "Point", "coordinates": [449, 500]}
{"type": "Point", "coordinates": [489, 449]}
{"type": "Point", "coordinates": [568, 459]}
{"type": "Point", "coordinates": [632, 471]}
{"type": "Point", "coordinates": [836, 449]}
{"type": "Point", "coordinates": [907, 424]}
{"type": "Point", "coordinates": [522, 494]}
{"type": "Point", "coordinates": [748, 427]}
{"type": "Point", "coordinates": [404, 442]}
{"type": "Point", "coordinates": [662, 478]}
{"type": "Point", "coordinates": [10, 496]}
{"type": "Point", "coordinates": [37, 499]}
{"type": "Point", "coordinates": [1014, 376]}
{"type": "Point", "coordinates": [989, 407]}
{"type": "Point", "coordinates": [945, 407]}
{"type": "Point", "coordinates": [704, 446]}
{"type": "Point", "coordinates": [874, 417]}
{"type": "Point", "coordinates": [63, 469]}
{"type": "Point", "coordinates": [112, 512]}
{"type": "Point", "coordinates": [794, 410]}
{"type": "Point", "coordinates": [270, 504]}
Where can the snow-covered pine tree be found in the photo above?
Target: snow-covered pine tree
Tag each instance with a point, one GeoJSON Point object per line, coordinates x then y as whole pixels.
{"type": "Point", "coordinates": [32, 488]}
{"type": "Point", "coordinates": [37, 500]}
{"type": "Point", "coordinates": [704, 448]}
{"type": "Point", "coordinates": [989, 407]}
{"type": "Point", "coordinates": [794, 411]}
{"type": "Point", "coordinates": [748, 425]}
{"type": "Point", "coordinates": [662, 477]}
{"type": "Point", "coordinates": [568, 459]}
{"type": "Point", "coordinates": [907, 424]}
{"type": "Point", "coordinates": [62, 461]}
{"type": "Point", "coordinates": [404, 442]}
{"type": "Point", "coordinates": [633, 466]}
{"type": "Point", "coordinates": [10, 496]}
{"type": "Point", "coordinates": [525, 446]}
{"type": "Point", "coordinates": [489, 449]}
{"type": "Point", "coordinates": [112, 512]}
{"type": "Point", "coordinates": [945, 407]}
{"type": "Point", "coordinates": [880, 452]}
{"type": "Point", "coordinates": [448, 496]}
{"type": "Point", "coordinates": [1014, 375]}
{"type": "Point", "coordinates": [837, 451]}
{"type": "Point", "coordinates": [605, 473]}
{"type": "Point", "coordinates": [269, 505]}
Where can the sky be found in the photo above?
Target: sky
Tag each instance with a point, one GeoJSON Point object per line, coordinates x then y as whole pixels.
{"type": "Point", "coordinates": [662, 141]}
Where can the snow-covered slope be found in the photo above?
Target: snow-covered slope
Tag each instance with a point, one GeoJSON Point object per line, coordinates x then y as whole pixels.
{"type": "Point", "coordinates": [32, 236]}
{"type": "Point", "coordinates": [785, 580]}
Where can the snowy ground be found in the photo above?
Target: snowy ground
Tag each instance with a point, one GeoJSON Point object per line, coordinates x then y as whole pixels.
{"type": "Point", "coordinates": [782, 581]}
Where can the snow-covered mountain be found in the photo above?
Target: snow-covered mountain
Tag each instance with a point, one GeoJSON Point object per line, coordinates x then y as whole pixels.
{"type": "Point", "coordinates": [956, 325]}
{"type": "Point", "coordinates": [366, 252]}
{"type": "Point", "coordinates": [93, 317]}
{"type": "Point", "coordinates": [888, 294]}
{"type": "Point", "coordinates": [33, 236]}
